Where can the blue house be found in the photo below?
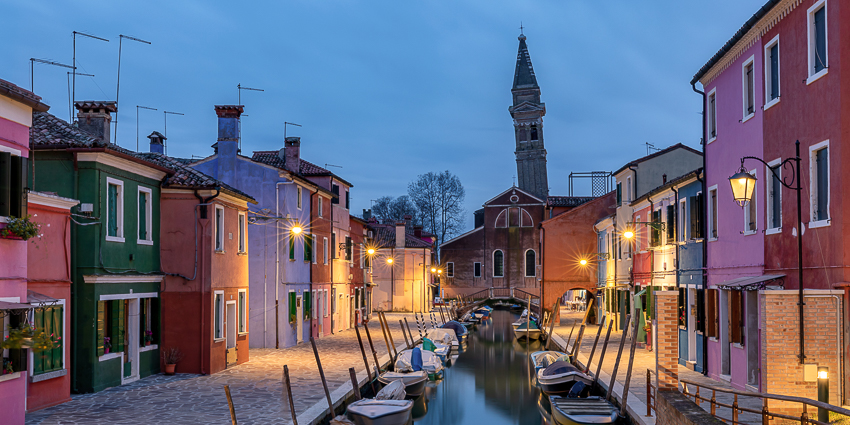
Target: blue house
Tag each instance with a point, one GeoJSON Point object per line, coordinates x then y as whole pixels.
{"type": "Point", "coordinates": [690, 271]}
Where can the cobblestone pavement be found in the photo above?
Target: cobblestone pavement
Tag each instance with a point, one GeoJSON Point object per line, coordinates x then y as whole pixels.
{"type": "Point", "coordinates": [645, 360]}
{"type": "Point", "coordinates": [256, 387]}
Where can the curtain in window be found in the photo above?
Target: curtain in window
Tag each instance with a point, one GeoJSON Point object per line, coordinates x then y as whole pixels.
{"type": "Point", "coordinates": [308, 248]}
{"type": "Point", "coordinates": [820, 39]}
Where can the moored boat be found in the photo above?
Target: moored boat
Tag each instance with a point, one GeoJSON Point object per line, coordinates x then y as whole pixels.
{"type": "Point", "coordinates": [559, 377]}
{"type": "Point", "coordinates": [582, 411]}
{"type": "Point", "coordinates": [387, 408]}
{"type": "Point", "coordinates": [542, 359]}
{"type": "Point", "coordinates": [528, 330]}
{"type": "Point", "coordinates": [431, 363]}
{"type": "Point", "coordinates": [414, 382]}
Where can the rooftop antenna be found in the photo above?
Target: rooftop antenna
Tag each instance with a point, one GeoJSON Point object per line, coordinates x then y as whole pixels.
{"type": "Point", "coordinates": [284, 128]}
{"type": "Point", "coordinates": [121, 38]}
{"type": "Point", "coordinates": [165, 118]}
{"type": "Point", "coordinates": [521, 28]}
{"type": "Point", "coordinates": [46, 62]}
{"type": "Point", "coordinates": [70, 111]}
{"type": "Point", "coordinates": [74, 63]}
{"type": "Point", "coordinates": [650, 147]}
{"type": "Point", "coordinates": [331, 165]}
{"type": "Point", "coordinates": [239, 89]}
{"type": "Point", "coordinates": [137, 122]}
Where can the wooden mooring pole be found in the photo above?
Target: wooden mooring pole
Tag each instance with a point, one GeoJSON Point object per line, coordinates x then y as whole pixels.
{"type": "Point", "coordinates": [322, 375]}
{"type": "Point", "coordinates": [374, 354]}
{"type": "Point", "coordinates": [354, 385]}
{"type": "Point", "coordinates": [617, 362]}
{"type": "Point", "coordinates": [602, 355]}
{"type": "Point", "coordinates": [289, 393]}
{"type": "Point", "coordinates": [389, 333]}
{"type": "Point", "coordinates": [401, 324]}
{"type": "Point", "coordinates": [629, 371]}
{"type": "Point", "coordinates": [412, 341]}
{"type": "Point", "coordinates": [595, 341]}
{"type": "Point", "coordinates": [365, 358]}
{"type": "Point", "coordinates": [552, 322]}
{"type": "Point", "coordinates": [230, 404]}
{"type": "Point", "coordinates": [577, 344]}
{"type": "Point", "coordinates": [386, 341]}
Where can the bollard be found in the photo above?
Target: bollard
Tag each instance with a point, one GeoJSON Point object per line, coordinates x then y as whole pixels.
{"type": "Point", "coordinates": [289, 393]}
{"type": "Point", "coordinates": [354, 385]}
{"type": "Point", "coordinates": [322, 375]}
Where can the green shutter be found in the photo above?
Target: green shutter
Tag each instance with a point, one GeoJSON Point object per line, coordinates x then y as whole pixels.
{"type": "Point", "coordinates": [5, 183]}
{"type": "Point", "coordinates": [143, 323]}
{"type": "Point", "coordinates": [101, 327]}
{"type": "Point", "coordinates": [118, 325]}
{"type": "Point", "coordinates": [306, 305]}
{"type": "Point", "coordinates": [308, 247]}
{"type": "Point", "coordinates": [292, 246]}
{"type": "Point", "coordinates": [143, 219]}
{"type": "Point", "coordinates": [58, 322]}
{"type": "Point", "coordinates": [112, 207]}
{"type": "Point", "coordinates": [18, 192]}
{"type": "Point", "coordinates": [292, 310]}
{"type": "Point", "coordinates": [39, 358]}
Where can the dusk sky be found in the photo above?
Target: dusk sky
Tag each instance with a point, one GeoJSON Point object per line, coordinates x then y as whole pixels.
{"type": "Point", "coordinates": [387, 89]}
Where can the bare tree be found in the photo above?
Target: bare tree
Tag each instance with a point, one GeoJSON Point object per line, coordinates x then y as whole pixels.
{"type": "Point", "coordinates": [439, 199]}
{"type": "Point", "coordinates": [387, 208]}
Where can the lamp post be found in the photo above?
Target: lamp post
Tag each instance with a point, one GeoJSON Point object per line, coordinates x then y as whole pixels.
{"type": "Point", "coordinates": [743, 185]}
{"type": "Point", "coordinates": [823, 392]}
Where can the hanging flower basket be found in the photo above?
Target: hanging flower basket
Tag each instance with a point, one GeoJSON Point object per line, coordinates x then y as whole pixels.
{"type": "Point", "coordinates": [20, 229]}
{"type": "Point", "coordinates": [29, 337]}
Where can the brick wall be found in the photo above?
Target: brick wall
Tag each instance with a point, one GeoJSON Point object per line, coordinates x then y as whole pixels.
{"type": "Point", "coordinates": [667, 331]}
{"type": "Point", "coordinates": [782, 372]}
{"type": "Point", "coordinates": [674, 408]}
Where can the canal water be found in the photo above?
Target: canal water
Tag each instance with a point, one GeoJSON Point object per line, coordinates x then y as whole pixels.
{"type": "Point", "coordinates": [489, 383]}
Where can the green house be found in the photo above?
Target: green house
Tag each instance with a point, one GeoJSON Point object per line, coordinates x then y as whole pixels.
{"type": "Point", "coordinates": [115, 264]}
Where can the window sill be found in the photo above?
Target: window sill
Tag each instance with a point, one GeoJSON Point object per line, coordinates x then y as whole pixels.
{"type": "Point", "coordinates": [114, 239]}
{"type": "Point", "coordinates": [141, 242]}
{"type": "Point", "coordinates": [219, 251]}
{"type": "Point", "coordinates": [243, 253]}
{"type": "Point", "coordinates": [49, 375]}
{"type": "Point", "coordinates": [712, 338]}
{"type": "Point", "coordinates": [748, 117]}
{"type": "Point", "coordinates": [711, 140]}
{"type": "Point", "coordinates": [242, 333]}
{"type": "Point", "coordinates": [10, 376]}
{"type": "Point", "coordinates": [817, 76]}
{"type": "Point", "coordinates": [712, 239]}
{"type": "Point", "coordinates": [110, 356]}
{"type": "Point", "coordinates": [773, 231]}
{"type": "Point", "coordinates": [749, 232]}
{"type": "Point", "coordinates": [770, 104]}
{"type": "Point", "coordinates": [218, 339]}
{"type": "Point", "coordinates": [149, 348]}
{"type": "Point", "coordinates": [820, 223]}
{"type": "Point", "coordinates": [4, 219]}
{"type": "Point", "coordinates": [738, 346]}
{"type": "Point", "coordinates": [727, 378]}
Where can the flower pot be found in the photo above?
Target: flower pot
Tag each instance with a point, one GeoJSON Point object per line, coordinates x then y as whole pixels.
{"type": "Point", "coordinates": [169, 369]}
{"type": "Point", "coordinates": [147, 343]}
{"type": "Point", "coordinates": [106, 350]}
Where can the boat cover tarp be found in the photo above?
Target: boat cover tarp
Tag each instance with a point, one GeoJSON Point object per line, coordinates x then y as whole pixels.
{"type": "Point", "coordinates": [416, 359]}
{"type": "Point", "coordinates": [374, 409]}
{"type": "Point", "coordinates": [559, 368]}
{"type": "Point", "coordinates": [531, 324]}
{"type": "Point", "coordinates": [443, 336]}
{"type": "Point", "coordinates": [392, 391]}
{"type": "Point", "coordinates": [577, 389]}
{"type": "Point", "coordinates": [459, 329]}
{"type": "Point", "coordinates": [547, 358]}
{"type": "Point", "coordinates": [431, 363]}
{"type": "Point", "coordinates": [427, 344]}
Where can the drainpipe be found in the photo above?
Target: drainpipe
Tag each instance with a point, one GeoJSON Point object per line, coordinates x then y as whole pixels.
{"type": "Point", "coordinates": [276, 270]}
{"type": "Point", "coordinates": [202, 294]}
{"type": "Point", "coordinates": [331, 252]}
{"type": "Point", "coordinates": [704, 239]}
{"type": "Point", "coordinates": [313, 251]}
{"type": "Point", "coordinates": [74, 263]}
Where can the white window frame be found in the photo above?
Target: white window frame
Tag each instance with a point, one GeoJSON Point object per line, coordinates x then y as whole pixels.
{"type": "Point", "coordinates": [636, 237]}
{"type": "Point", "coordinates": [325, 250]}
{"type": "Point", "coordinates": [299, 201]}
{"type": "Point", "coordinates": [812, 48]}
{"type": "Point", "coordinates": [217, 338]}
{"type": "Point", "coordinates": [313, 250]}
{"type": "Point", "coordinates": [242, 311]}
{"type": "Point", "coordinates": [320, 206]}
{"type": "Point", "coordinates": [452, 274]}
{"type": "Point", "coordinates": [525, 263]}
{"type": "Point", "coordinates": [711, 115]}
{"type": "Point", "coordinates": [218, 233]}
{"type": "Point", "coordinates": [628, 189]}
{"type": "Point", "coordinates": [119, 214]}
{"type": "Point", "coordinates": [31, 361]}
{"type": "Point", "coordinates": [710, 215]}
{"type": "Point", "coordinates": [242, 222]}
{"type": "Point", "coordinates": [744, 89]}
{"type": "Point", "coordinates": [361, 256]}
{"type": "Point", "coordinates": [494, 263]}
{"type": "Point", "coordinates": [314, 311]}
{"type": "Point", "coordinates": [683, 219]}
{"type": "Point", "coordinates": [768, 71]}
{"type": "Point", "coordinates": [813, 192]}
{"type": "Point", "coordinates": [327, 306]}
{"type": "Point", "coordinates": [753, 201]}
{"type": "Point", "coordinates": [479, 269]}
{"type": "Point", "coordinates": [148, 220]}
{"type": "Point", "coordinates": [768, 208]}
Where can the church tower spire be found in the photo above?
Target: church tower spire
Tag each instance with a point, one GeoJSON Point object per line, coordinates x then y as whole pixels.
{"type": "Point", "coordinates": [527, 112]}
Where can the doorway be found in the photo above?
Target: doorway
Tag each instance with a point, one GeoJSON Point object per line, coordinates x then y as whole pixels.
{"type": "Point", "coordinates": [692, 326]}
{"type": "Point", "coordinates": [751, 339]}
{"type": "Point", "coordinates": [351, 317]}
{"type": "Point", "coordinates": [299, 317]}
{"type": "Point", "coordinates": [129, 311]}
{"type": "Point", "coordinates": [230, 333]}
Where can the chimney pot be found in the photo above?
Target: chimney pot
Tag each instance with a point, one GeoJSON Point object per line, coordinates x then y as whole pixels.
{"type": "Point", "coordinates": [157, 142]}
{"type": "Point", "coordinates": [292, 154]}
{"type": "Point", "coordinates": [399, 234]}
{"type": "Point", "coordinates": [95, 118]}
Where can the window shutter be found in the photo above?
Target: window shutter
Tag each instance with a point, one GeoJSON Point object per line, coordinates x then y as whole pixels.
{"type": "Point", "coordinates": [292, 246]}
{"type": "Point", "coordinates": [5, 183]}
{"type": "Point", "coordinates": [776, 198]}
{"type": "Point", "coordinates": [308, 247]}
{"type": "Point", "coordinates": [39, 358]}
{"type": "Point", "coordinates": [112, 199]}
{"type": "Point", "coordinates": [671, 223]}
{"type": "Point", "coordinates": [334, 248]}
{"type": "Point", "coordinates": [347, 200]}
{"type": "Point", "coordinates": [292, 309]}
{"type": "Point", "coordinates": [820, 39]}
{"type": "Point", "coordinates": [18, 192]}
{"type": "Point", "coordinates": [101, 326]}
{"type": "Point", "coordinates": [774, 71]}
{"type": "Point", "coordinates": [335, 190]}
{"type": "Point", "coordinates": [700, 214]}
{"type": "Point", "coordinates": [619, 193]}
{"type": "Point", "coordinates": [822, 158]}
{"type": "Point", "coordinates": [348, 248]}
{"type": "Point", "coordinates": [143, 219]}
{"type": "Point", "coordinates": [118, 324]}
{"type": "Point", "coordinates": [57, 326]}
{"type": "Point", "coordinates": [306, 309]}
{"type": "Point", "coordinates": [143, 324]}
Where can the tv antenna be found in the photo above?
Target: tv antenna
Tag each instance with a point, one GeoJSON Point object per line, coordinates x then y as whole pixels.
{"type": "Point", "coordinates": [165, 117]}
{"type": "Point", "coordinates": [239, 89]}
{"type": "Point", "coordinates": [69, 84]}
{"type": "Point", "coordinates": [650, 147]}
{"type": "Point", "coordinates": [74, 63]}
{"type": "Point", "coordinates": [121, 38]}
{"type": "Point", "coordinates": [284, 128]}
{"type": "Point", "coordinates": [331, 165]}
{"type": "Point", "coordinates": [46, 62]}
{"type": "Point", "coordinates": [137, 122]}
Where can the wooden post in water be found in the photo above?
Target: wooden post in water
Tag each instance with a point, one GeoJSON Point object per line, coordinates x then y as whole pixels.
{"type": "Point", "coordinates": [617, 362]}
{"type": "Point", "coordinates": [289, 394]}
{"type": "Point", "coordinates": [354, 385]}
{"type": "Point", "coordinates": [386, 342]}
{"type": "Point", "coordinates": [629, 371]}
{"type": "Point", "coordinates": [322, 375]}
{"type": "Point", "coordinates": [441, 314]}
{"type": "Point", "coordinates": [595, 341]}
{"type": "Point", "coordinates": [577, 344]}
{"type": "Point", "coordinates": [365, 359]}
{"type": "Point", "coordinates": [401, 324]}
{"type": "Point", "coordinates": [602, 355]}
{"type": "Point", "coordinates": [230, 405]}
{"type": "Point", "coordinates": [552, 322]}
{"type": "Point", "coordinates": [569, 338]}
{"type": "Point", "coordinates": [389, 333]}
{"type": "Point", "coordinates": [409, 332]}
{"type": "Point", "coordinates": [374, 354]}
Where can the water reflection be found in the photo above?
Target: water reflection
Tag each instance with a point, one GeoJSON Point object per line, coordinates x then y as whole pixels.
{"type": "Point", "coordinates": [489, 383]}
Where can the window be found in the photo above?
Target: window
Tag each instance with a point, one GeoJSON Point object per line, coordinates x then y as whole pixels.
{"type": "Point", "coordinates": [13, 182]}
{"type": "Point", "coordinates": [242, 305]}
{"type": "Point", "coordinates": [321, 206]}
{"type": "Point", "coordinates": [771, 72]}
{"type": "Point", "coordinates": [49, 318]}
{"type": "Point", "coordinates": [333, 245]}
{"type": "Point", "coordinates": [326, 302]}
{"type": "Point", "coordinates": [533, 133]}
{"type": "Point", "coordinates": [655, 230]}
{"type": "Point", "coordinates": [748, 77]}
{"type": "Point", "coordinates": [325, 250]}
{"type": "Point", "coordinates": [315, 310]}
{"type": "Point", "coordinates": [751, 211]}
{"type": "Point", "coordinates": [148, 321]}
{"type": "Point", "coordinates": [619, 193]}
{"type": "Point", "coordinates": [476, 269]}
{"type": "Point", "coordinates": [498, 264]}
{"type": "Point", "coordinates": [683, 219]}
{"type": "Point", "coordinates": [683, 314]}
{"type": "Point", "coordinates": [335, 190]}
{"type": "Point", "coordinates": [298, 194]}
{"type": "Point", "coordinates": [711, 318]}
{"type": "Point", "coordinates": [450, 269]}
{"type": "Point", "coordinates": [736, 317]}
{"type": "Point", "coordinates": [293, 307]}
{"type": "Point", "coordinates": [671, 223]}
{"type": "Point", "coordinates": [308, 248]}
{"type": "Point", "coordinates": [628, 189]}
{"type": "Point", "coordinates": [218, 319]}
{"type": "Point", "coordinates": [219, 228]}
{"type": "Point", "coordinates": [712, 213]}
{"type": "Point", "coordinates": [530, 263]}
{"type": "Point", "coordinates": [712, 115]}
{"type": "Point", "coordinates": [348, 248]}
{"type": "Point", "coordinates": [636, 237]}
{"type": "Point", "coordinates": [502, 219]}
{"type": "Point", "coordinates": [144, 219]}
{"type": "Point", "coordinates": [696, 213]}
{"type": "Point", "coordinates": [313, 248]}
{"type": "Point", "coordinates": [818, 60]}
{"type": "Point", "coordinates": [774, 196]}
{"type": "Point", "coordinates": [361, 256]}
{"type": "Point", "coordinates": [347, 200]}
{"type": "Point", "coordinates": [292, 237]}
{"type": "Point", "coordinates": [114, 210]}
{"type": "Point", "coordinates": [819, 164]}
{"type": "Point", "coordinates": [242, 231]}
{"type": "Point", "coordinates": [513, 217]}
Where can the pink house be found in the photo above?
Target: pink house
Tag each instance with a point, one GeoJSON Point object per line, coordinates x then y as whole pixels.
{"type": "Point", "coordinates": [16, 108]}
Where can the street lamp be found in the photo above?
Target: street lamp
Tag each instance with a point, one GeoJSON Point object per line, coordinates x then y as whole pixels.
{"type": "Point", "coordinates": [628, 234]}
{"type": "Point", "coordinates": [389, 260]}
{"type": "Point", "coordinates": [743, 185]}
{"type": "Point", "coordinates": [296, 230]}
{"type": "Point", "coordinates": [583, 262]}
{"type": "Point", "coordinates": [370, 251]}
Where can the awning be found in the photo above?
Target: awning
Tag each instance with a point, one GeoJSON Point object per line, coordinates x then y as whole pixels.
{"type": "Point", "coordinates": [753, 283]}
{"type": "Point", "coordinates": [6, 305]}
{"type": "Point", "coordinates": [37, 298]}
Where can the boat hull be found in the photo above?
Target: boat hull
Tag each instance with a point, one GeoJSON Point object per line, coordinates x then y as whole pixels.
{"type": "Point", "coordinates": [582, 411]}
{"type": "Point", "coordinates": [414, 384]}
{"type": "Point", "coordinates": [559, 384]}
{"type": "Point", "coordinates": [532, 334]}
{"type": "Point", "coordinates": [398, 416]}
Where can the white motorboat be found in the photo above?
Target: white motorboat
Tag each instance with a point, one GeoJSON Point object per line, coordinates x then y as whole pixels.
{"type": "Point", "coordinates": [582, 411]}
{"type": "Point", "coordinates": [528, 330]}
{"type": "Point", "coordinates": [387, 408]}
{"type": "Point", "coordinates": [559, 377]}
{"type": "Point", "coordinates": [414, 382]}
{"type": "Point", "coordinates": [431, 363]}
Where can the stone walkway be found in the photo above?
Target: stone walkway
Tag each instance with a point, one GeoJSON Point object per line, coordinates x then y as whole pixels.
{"type": "Point", "coordinates": [256, 387]}
{"type": "Point", "coordinates": [643, 360]}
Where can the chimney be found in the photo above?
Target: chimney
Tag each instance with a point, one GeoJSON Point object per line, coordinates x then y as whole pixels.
{"type": "Point", "coordinates": [291, 154]}
{"type": "Point", "coordinates": [157, 142]}
{"type": "Point", "coordinates": [664, 179]}
{"type": "Point", "coordinates": [408, 218]}
{"type": "Point", "coordinates": [399, 234]}
{"type": "Point", "coordinates": [95, 118]}
{"type": "Point", "coordinates": [367, 214]}
{"type": "Point", "coordinates": [417, 231]}
{"type": "Point", "coordinates": [228, 129]}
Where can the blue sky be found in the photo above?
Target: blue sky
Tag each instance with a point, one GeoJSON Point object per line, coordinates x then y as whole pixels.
{"type": "Point", "coordinates": [388, 89]}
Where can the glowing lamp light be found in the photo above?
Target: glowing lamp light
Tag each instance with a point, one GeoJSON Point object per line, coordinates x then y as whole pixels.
{"type": "Point", "coordinates": [823, 374]}
{"type": "Point", "coordinates": [628, 234]}
{"type": "Point", "coordinates": [389, 260]}
{"type": "Point", "coordinates": [296, 230]}
{"type": "Point", "coordinates": [439, 271]}
{"type": "Point", "coordinates": [433, 270]}
{"type": "Point", "coordinates": [583, 262]}
{"type": "Point", "coordinates": [743, 184]}
{"type": "Point", "coordinates": [370, 251]}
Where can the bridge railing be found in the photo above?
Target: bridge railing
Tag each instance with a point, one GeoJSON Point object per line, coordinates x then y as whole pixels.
{"type": "Point", "coordinates": [535, 301]}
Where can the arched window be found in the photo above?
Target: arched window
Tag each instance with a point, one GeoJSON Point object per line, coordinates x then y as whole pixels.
{"type": "Point", "coordinates": [498, 263]}
{"type": "Point", "coordinates": [526, 219]}
{"type": "Point", "coordinates": [530, 263]}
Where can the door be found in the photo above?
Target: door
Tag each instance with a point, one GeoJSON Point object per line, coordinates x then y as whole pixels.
{"type": "Point", "coordinates": [129, 317]}
{"type": "Point", "coordinates": [323, 295]}
{"type": "Point", "coordinates": [230, 328]}
{"type": "Point", "coordinates": [751, 339]}
{"type": "Point", "coordinates": [351, 312]}
{"type": "Point", "coordinates": [333, 310]}
{"type": "Point", "coordinates": [692, 326]}
{"type": "Point", "coordinates": [299, 317]}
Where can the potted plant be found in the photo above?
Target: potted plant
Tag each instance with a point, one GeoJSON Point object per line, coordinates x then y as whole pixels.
{"type": "Point", "coordinates": [28, 337]}
{"type": "Point", "coordinates": [171, 356]}
{"type": "Point", "coordinates": [148, 337]}
{"type": "Point", "coordinates": [106, 344]}
{"type": "Point", "coordinates": [20, 228]}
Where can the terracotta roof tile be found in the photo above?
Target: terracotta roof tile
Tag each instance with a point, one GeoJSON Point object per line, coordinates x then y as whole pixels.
{"type": "Point", "coordinates": [385, 238]}
{"type": "Point", "coordinates": [188, 177]}
{"type": "Point", "coordinates": [567, 201]}
{"type": "Point", "coordinates": [306, 168]}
